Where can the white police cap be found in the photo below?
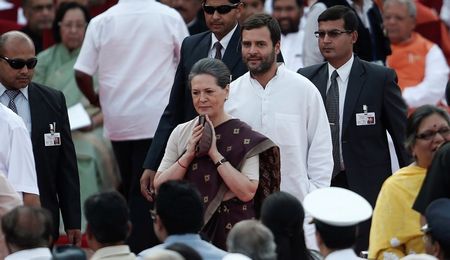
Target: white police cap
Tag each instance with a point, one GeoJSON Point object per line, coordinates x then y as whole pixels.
{"type": "Point", "coordinates": [337, 206]}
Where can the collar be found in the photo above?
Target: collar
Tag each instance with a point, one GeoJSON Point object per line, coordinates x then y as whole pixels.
{"type": "Point", "coordinates": [225, 40]}
{"type": "Point", "coordinates": [110, 251]}
{"type": "Point", "coordinates": [181, 237]}
{"type": "Point", "coordinates": [343, 71]}
{"type": "Point", "coordinates": [23, 90]}
{"type": "Point", "coordinates": [35, 253]}
{"type": "Point", "coordinates": [342, 254]}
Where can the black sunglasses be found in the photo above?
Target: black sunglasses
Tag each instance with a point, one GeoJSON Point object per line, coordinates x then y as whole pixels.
{"type": "Point", "coordinates": [221, 9]}
{"type": "Point", "coordinates": [18, 64]}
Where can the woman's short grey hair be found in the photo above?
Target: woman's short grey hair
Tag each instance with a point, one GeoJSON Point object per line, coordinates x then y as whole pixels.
{"type": "Point", "coordinates": [253, 239]}
{"type": "Point", "coordinates": [213, 67]}
{"type": "Point", "coordinates": [416, 118]}
{"type": "Point", "coordinates": [410, 5]}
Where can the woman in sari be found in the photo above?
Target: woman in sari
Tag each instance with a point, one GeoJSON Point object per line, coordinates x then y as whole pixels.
{"type": "Point", "coordinates": [55, 69]}
{"type": "Point", "coordinates": [241, 165]}
{"type": "Point", "coordinates": [395, 230]}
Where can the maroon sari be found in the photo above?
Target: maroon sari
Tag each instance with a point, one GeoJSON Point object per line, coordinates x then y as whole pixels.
{"type": "Point", "coordinates": [236, 141]}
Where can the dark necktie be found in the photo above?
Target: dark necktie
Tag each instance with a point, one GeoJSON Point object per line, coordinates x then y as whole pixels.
{"type": "Point", "coordinates": [332, 107]}
{"type": "Point", "coordinates": [12, 94]}
{"type": "Point", "coordinates": [218, 48]}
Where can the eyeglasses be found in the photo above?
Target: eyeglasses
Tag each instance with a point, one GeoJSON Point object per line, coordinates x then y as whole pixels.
{"type": "Point", "coordinates": [429, 135]}
{"type": "Point", "coordinates": [18, 64]}
{"type": "Point", "coordinates": [221, 9]}
{"type": "Point", "coordinates": [332, 34]}
{"type": "Point", "coordinates": [153, 214]}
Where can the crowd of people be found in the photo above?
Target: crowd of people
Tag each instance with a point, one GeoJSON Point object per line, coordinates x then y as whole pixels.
{"type": "Point", "coordinates": [225, 129]}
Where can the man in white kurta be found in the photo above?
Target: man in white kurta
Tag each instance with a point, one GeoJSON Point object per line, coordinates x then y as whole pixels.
{"type": "Point", "coordinates": [16, 154]}
{"type": "Point", "coordinates": [287, 108]}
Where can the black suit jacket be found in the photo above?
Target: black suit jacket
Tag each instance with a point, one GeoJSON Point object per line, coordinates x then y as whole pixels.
{"type": "Point", "coordinates": [56, 166]}
{"type": "Point", "coordinates": [365, 148]}
{"type": "Point", "coordinates": [369, 46]}
{"type": "Point", "coordinates": [180, 108]}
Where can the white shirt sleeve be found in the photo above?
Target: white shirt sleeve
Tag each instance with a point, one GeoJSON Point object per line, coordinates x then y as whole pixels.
{"type": "Point", "coordinates": [445, 12]}
{"type": "Point", "coordinates": [320, 156]}
{"type": "Point", "coordinates": [432, 88]}
{"type": "Point", "coordinates": [251, 168]}
{"type": "Point", "coordinates": [311, 52]}
{"type": "Point", "coordinates": [21, 170]}
{"type": "Point", "coordinates": [171, 153]}
{"type": "Point", "coordinates": [87, 60]}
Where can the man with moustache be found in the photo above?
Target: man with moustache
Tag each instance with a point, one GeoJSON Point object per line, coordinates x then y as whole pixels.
{"type": "Point", "coordinates": [363, 101]}
{"type": "Point", "coordinates": [288, 14]}
{"type": "Point", "coordinates": [286, 107]}
{"type": "Point", "coordinates": [44, 112]}
{"type": "Point", "coordinates": [40, 15]}
{"type": "Point", "coordinates": [220, 42]}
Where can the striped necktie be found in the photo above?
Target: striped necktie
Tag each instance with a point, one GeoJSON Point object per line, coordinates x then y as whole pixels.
{"type": "Point", "coordinates": [332, 107]}
{"type": "Point", "coordinates": [12, 94]}
{"type": "Point", "coordinates": [218, 48]}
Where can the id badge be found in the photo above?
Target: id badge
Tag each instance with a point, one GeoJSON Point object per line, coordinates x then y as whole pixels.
{"type": "Point", "coordinates": [52, 139]}
{"type": "Point", "coordinates": [365, 119]}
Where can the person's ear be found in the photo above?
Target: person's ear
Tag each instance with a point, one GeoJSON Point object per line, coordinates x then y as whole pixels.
{"type": "Point", "coordinates": [277, 48]}
{"type": "Point", "coordinates": [354, 36]}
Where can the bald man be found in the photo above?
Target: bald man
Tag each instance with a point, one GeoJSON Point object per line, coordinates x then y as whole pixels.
{"type": "Point", "coordinates": [44, 112]}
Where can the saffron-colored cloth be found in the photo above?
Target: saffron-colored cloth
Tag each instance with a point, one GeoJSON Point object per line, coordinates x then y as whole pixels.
{"type": "Point", "coordinates": [408, 60]}
{"type": "Point", "coordinates": [395, 230]}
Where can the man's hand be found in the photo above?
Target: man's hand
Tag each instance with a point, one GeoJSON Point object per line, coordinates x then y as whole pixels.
{"type": "Point", "coordinates": [146, 181]}
{"type": "Point", "coordinates": [74, 236]}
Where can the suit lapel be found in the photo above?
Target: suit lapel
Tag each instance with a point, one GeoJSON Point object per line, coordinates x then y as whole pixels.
{"type": "Point", "coordinates": [356, 81]}
{"type": "Point", "coordinates": [37, 111]}
{"type": "Point", "coordinates": [233, 54]}
{"type": "Point", "coordinates": [321, 81]}
{"type": "Point", "coordinates": [202, 49]}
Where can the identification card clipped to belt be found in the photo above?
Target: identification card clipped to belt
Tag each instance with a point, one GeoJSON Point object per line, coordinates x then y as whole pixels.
{"type": "Point", "coordinates": [365, 118]}
{"type": "Point", "coordinates": [53, 138]}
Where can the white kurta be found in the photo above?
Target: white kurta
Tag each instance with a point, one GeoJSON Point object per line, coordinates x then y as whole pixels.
{"type": "Point", "coordinates": [16, 153]}
{"type": "Point", "coordinates": [290, 111]}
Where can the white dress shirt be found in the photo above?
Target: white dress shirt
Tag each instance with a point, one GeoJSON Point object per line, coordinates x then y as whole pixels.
{"type": "Point", "coordinates": [224, 42]}
{"type": "Point", "coordinates": [41, 253]}
{"type": "Point", "coordinates": [342, 80]}
{"type": "Point", "coordinates": [135, 48]}
{"type": "Point", "coordinates": [22, 104]}
{"type": "Point", "coordinates": [16, 153]}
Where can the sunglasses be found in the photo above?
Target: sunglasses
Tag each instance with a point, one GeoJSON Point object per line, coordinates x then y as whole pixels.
{"type": "Point", "coordinates": [18, 64]}
{"type": "Point", "coordinates": [221, 9]}
{"type": "Point", "coordinates": [331, 34]}
{"type": "Point", "coordinates": [429, 135]}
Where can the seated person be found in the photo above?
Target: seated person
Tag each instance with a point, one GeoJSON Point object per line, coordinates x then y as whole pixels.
{"type": "Point", "coordinates": [228, 174]}
{"type": "Point", "coordinates": [420, 64]}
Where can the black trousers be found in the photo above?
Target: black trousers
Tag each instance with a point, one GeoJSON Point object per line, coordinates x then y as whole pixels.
{"type": "Point", "coordinates": [130, 156]}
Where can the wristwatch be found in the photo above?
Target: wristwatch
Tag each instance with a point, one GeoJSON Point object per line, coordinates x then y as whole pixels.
{"type": "Point", "coordinates": [220, 162]}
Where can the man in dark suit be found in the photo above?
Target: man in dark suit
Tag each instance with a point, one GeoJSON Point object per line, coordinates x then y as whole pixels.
{"type": "Point", "coordinates": [45, 115]}
{"type": "Point", "coordinates": [368, 102]}
{"type": "Point", "coordinates": [222, 19]}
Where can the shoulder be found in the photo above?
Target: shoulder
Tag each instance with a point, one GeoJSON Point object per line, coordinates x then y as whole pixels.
{"type": "Point", "coordinates": [312, 70]}
{"type": "Point", "coordinates": [47, 54]}
{"type": "Point", "coordinates": [193, 39]}
{"type": "Point", "coordinates": [10, 119]}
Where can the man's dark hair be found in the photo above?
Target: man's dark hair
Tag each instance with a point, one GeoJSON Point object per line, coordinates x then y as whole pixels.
{"type": "Point", "coordinates": [28, 227]}
{"type": "Point", "coordinates": [299, 3]}
{"type": "Point", "coordinates": [340, 12]}
{"type": "Point", "coordinates": [336, 238]}
{"type": "Point", "coordinates": [107, 217]}
{"type": "Point", "coordinates": [257, 21]}
{"type": "Point", "coordinates": [180, 207]}
{"type": "Point", "coordinates": [61, 12]}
